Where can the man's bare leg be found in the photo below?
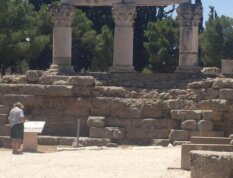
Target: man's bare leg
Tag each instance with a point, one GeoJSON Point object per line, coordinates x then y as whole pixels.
{"type": "Point", "coordinates": [14, 146]}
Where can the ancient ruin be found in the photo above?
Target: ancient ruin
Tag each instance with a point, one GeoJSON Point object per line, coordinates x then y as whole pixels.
{"type": "Point", "coordinates": [124, 13]}
{"type": "Point", "coordinates": [124, 107]}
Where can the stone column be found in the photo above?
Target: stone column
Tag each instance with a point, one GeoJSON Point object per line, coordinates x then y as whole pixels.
{"type": "Point", "coordinates": [124, 15]}
{"type": "Point", "coordinates": [62, 38]}
{"type": "Point", "coordinates": [189, 16]}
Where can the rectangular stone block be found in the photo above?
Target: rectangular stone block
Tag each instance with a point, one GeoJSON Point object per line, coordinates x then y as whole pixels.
{"type": "Point", "coordinates": [3, 119]}
{"type": "Point", "coordinates": [5, 130]}
{"type": "Point", "coordinates": [58, 90]}
{"type": "Point", "coordinates": [48, 140]}
{"type": "Point", "coordinates": [186, 114]}
{"type": "Point", "coordinates": [210, 164]}
{"type": "Point", "coordinates": [210, 115]}
{"type": "Point", "coordinates": [207, 133]}
{"type": "Point", "coordinates": [96, 121]}
{"type": "Point", "coordinates": [107, 132]}
{"type": "Point", "coordinates": [226, 94]}
{"type": "Point", "coordinates": [141, 133]}
{"type": "Point", "coordinates": [186, 148]}
{"type": "Point", "coordinates": [27, 100]}
{"type": "Point", "coordinates": [179, 135]}
{"type": "Point", "coordinates": [220, 105]}
{"type": "Point", "coordinates": [210, 140]}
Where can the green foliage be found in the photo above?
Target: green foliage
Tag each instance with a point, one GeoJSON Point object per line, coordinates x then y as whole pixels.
{"type": "Point", "coordinates": [162, 45]}
{"type": "Point", "coordinates": [103, 51]}
{"type": "Point", "coordinates": [216, 42]}
{"type": "Point", "coordinates": [83, 41]}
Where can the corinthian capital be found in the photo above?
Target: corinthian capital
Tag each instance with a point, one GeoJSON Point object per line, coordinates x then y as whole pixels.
{"type": "Point", "coordinates": [189, 14]}
{"type": "Point", "coordinates": [62, 15]}
{"type": "Point", "coordinates": [124, 14]}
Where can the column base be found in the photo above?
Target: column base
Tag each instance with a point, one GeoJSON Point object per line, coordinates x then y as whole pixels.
{"type": "Point", "coordinates": [122, 69]}
{"type": "Point", "coordinates": [188, 69]}
{"type": "Point", "coordinates": [60, 70]}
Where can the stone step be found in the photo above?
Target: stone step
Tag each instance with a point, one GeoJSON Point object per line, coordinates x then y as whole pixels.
{"type": "Point", "coordinates": [4, 109]}
{"type": "Point", "coordinates": [186, 148]}
{"type": "Point", "coordinates": [3, 119]}
{"type": "Point", "coordinates": [210, 140]}
{"type": "Point", "coordinates": [4, 130]}
{"type": "Point", "coordinates": [185, 135]}
{"type": "Point", "coordinates": [56, 140]}
{"type": "Point", "coordinates": [195, 115]}
{"type": "Point", "coordinates": [211, 164]}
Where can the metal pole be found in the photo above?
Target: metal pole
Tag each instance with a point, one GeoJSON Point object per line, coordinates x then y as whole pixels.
{"type": "Point", "coordinates": [78, 130]}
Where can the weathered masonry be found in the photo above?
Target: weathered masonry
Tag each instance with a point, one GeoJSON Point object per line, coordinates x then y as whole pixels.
{"type": "Point", "coordinates": [124, 13]}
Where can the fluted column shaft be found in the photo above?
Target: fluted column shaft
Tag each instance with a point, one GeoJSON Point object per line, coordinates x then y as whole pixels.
{"type": "Point", "coordinates": [62, 38]}
{"type": "Point", "coordinates": [124, 15]}
{"type": "Point", "coordinates": [189, 16]}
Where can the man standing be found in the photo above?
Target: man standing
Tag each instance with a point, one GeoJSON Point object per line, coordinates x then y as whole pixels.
{"type": "Point", "coordinates": [16, 119]}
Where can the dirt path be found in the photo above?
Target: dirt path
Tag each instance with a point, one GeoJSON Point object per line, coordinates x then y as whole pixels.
{"type": "Point", "coordinates": [136, 162]}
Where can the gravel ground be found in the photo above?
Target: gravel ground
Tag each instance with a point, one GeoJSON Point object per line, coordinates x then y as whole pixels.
{"type": "Point", "coordinates": [121, 162]}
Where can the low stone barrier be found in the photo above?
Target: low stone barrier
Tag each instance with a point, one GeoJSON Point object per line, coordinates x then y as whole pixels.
{"type": "Point", "coordinates": [209, 164]}
{"type": "Point", "coordinates": [186, 148]}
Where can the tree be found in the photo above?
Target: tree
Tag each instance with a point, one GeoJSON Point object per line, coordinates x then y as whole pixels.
{"type": "Point", "coordinates": [162, 45]}
{"type": "Point", "coordinates": [216, 42]}
{"type": "Point", "coordinates": [144, 16]}
{"type": "Point", "coordinates": [84, 40]}
{"type": "Point", "coordinates": [103, 51]}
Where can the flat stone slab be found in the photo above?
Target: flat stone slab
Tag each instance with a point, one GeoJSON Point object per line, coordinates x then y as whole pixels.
{"type": "Point", "coordinates": [186, 148]}
{"type": "Point", "coordinates": [210, 140]}
{"type": "Point", "coordinates": [210, 164]}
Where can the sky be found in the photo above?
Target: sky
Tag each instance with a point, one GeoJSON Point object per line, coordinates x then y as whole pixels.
{"type": "Point", "coordinates": [222, 7]}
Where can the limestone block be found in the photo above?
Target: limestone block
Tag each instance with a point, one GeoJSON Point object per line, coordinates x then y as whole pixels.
{"type": "Point", "coordinates": [186, 148]}
{"type": "Point", "coordinates": [126, 108]}
{"type": "Point", "coordinates": [96, 121]}
{"type": "Point", "coordinates": [107, 132]}
{"type": "Point", "coordinates": [186, 114]}
{"type": "Point", "coordinates": [27, 100]}
{"type": "Point", "coordinates": [212, 164]}
{"type": "Point", "coordinates": [231, 137]}
{"type": "Point", "coordinates": [1, 144]}
{"type": "Point", "coordinates": [67, 141]}
{"type": "Point", "coordinates": [82, 91]}
{"type": "Point", "coordinates": [58, 90]}
{"type": "Point", "coordinates": [142, 133]}
{"type": "Point", "coordinates": [3, 119]}
{"type": "Point", "coordinates": [51, 79]}
{"type": "Point", "coordinates": [81, 80]}
{"type": "Point", "coordinates": [159, 123]}
{"type": "Point", "coordinates": [48, 140]}
{"type": "Point", "coordinates": [207, 133]}
{"type": "Point", "coordinates": [86, 141]}
{"type": "Point", "coordinates": [195, 85]}
{"type": "Point", "coordinates": [160, 142]}
{"type": "Point", "coordinates": [6, 141]}
{"type": "Point", "coordinates": [210, 115]}
{"type": "Point", "coordinates": [189, 125]}
{"type": "Point", "coordinates": [226, 94]}
{"type": "Point", "coordinates": [33, 76]}
{"type": "Point", "coordinates": [100, 106]}
{"type": "Point", "coordinates": [14, 79]}
{"type": "Point", "coordinates": [207, 93]}
{"type": "Point", "coordinates": [110, 91]}
{"type": "Point", "coordinates": [210, 140]}
{"type": "Point", "coordinates": [151, 109]}
{"type": "Point", "coordinates": [204, 105]}
{"type": "Point", "coordinates": [211, 71]}
{"type": "Point", "coordinates": [220, 105]}
{"type": "Point", "coordinates": [176, 143]}
{"type": "Point", "coordinates": [178, 135]}
{"type": "Point", "coordinates": [178, 114]}
{"type": "Point", "coordinates": [220, 83]}
{"type": "Point", "coordinates": [205, 125]}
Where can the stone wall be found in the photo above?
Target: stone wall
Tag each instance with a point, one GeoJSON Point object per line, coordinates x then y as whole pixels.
{"type": "Point", "coordinates": [123, 114]}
